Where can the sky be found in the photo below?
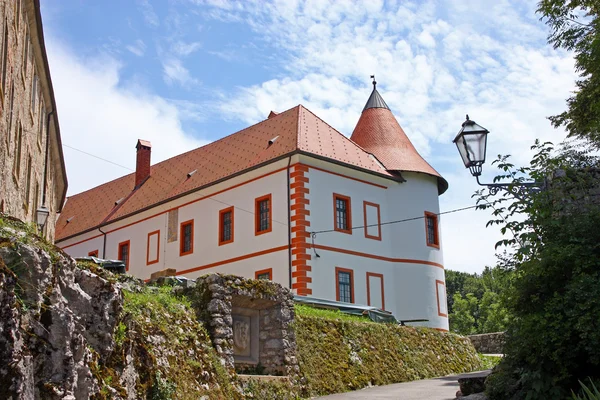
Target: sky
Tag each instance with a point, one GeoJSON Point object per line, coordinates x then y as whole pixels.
{"type": "Point", "coordinates": [183, 73]}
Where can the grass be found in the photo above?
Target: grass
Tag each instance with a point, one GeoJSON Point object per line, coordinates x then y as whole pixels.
{"type": "Point", "coordinates": [488, 362]}
{"type": "Point", "coordinates": [308, 311]}
{"type": "Point", "coordinates": [163, 297]}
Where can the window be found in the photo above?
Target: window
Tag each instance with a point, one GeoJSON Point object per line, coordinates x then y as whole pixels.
{"type": "Point", "coordinates": [34, 88]}
{"type": "Point", "coordinates": [36, 198]}
{"type": "Point", "coordinates": [431, 230]}
{"type": "Point", "coordinates": [153, 248]}
{"type": "Point", "coordinates": [124, 253]}
{"type": "Point", "coordinates": [375, 290]}
{"type": "Point", "coordinates": [226, 226]}
{"type": "Point", "coordinates": [344, 280]}
{"type": "Point", "coordinates": [342, 215]}
{"type": "Point", "coordinates": [28, 185]}
{"type": "Point", "coordinates": [440, 292]}
{"type": "Point", "coordinates": [266, 274]}
{"type": "Point", "coordinates": [186, 244]}
{"type": "Point", "coordinates": [4, 58]}
{"type": "Point", "coordinates": [11, 109]}
{"type": "Point", "coordinates": [263, 213]}
{"type": "Point", "coordinates": [25, 55]}
{"type": "Point", "coordinates": [18, 144]}
{"type": "Point", "coordinates": [42, 123]}
{"type": "Point", "coordinates": [17, 13]}
{"type": "Point", "coordinates": [93, 253]}
{"type": "Point", "coordinates": [372, 220]}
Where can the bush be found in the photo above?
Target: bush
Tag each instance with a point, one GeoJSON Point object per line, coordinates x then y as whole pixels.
{"type": "Point", "coordinates": [553, 340]}
{"type": "Point", "coordinates": [587, 393]}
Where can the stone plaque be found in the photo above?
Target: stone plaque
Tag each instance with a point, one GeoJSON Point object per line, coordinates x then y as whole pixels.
{"type": "Point", "coordinates": [245, 335]}
{"type": "Point", "coordinates": [172, 228]}
{"type": "Point", "coordinates": [241, 335]}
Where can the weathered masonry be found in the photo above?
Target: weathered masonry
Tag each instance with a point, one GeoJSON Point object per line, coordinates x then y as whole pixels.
{"type": "Point", "coordinates": [32, 170]}
{"type": "Point", "coordinates": [249, 321]}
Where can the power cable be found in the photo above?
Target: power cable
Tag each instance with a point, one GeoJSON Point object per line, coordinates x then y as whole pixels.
{"type": "Point", "coordinates": [169, 183]}
{"type": "Point", "coordinates": [398, 221]}
{"type": "Point", "coordinates": [274, 220]}
{"type": "Point", "coordinates": [99, 158]}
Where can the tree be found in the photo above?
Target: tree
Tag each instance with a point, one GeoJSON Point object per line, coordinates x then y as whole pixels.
{"type": "Point", "coordinates": [479, 296]}
{"type": "Point", "coordinates": [462, 320]}
{"type": "Point", "coordinates": [553, 337]}
{"type": "Point", "coordinates": [574, 26]}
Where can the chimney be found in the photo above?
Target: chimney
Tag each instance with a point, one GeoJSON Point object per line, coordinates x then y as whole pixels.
{"type": "Point", "coordinates": [142, 165]}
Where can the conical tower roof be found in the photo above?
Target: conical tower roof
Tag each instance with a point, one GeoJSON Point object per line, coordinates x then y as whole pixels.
{"type": "Point", "coordinates": [379, 133]}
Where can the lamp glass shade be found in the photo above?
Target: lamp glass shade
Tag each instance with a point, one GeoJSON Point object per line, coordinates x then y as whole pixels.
{"type": "Point", "coordinates": [41, 215]}
{"type": "Point", "coordinates": [471, 142]}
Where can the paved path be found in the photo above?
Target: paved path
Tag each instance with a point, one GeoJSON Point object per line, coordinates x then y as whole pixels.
{"type": "Point", "coordinates": [443, 388]}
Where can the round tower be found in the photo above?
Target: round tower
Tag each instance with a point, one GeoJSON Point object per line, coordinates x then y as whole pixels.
{"type": "Point", "coordinates": [419, 283]}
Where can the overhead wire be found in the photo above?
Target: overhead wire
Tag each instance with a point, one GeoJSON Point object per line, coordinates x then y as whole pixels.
{"type": "Point", "coordinates": [274, 220]}
{"type": "Point", "coordinates": [170, 183]}
{"type": "Point", "coordinates": [398, 221]}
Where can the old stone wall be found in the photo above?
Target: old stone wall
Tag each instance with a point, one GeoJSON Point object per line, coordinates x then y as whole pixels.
{"type": "Point", "coordinates": [56, 319]}
{"type": "Point", "coordinates": [488, 343]}
{"type": "Point", "coordinates": [249, 321]}
{"type": "Point", "coordinates": [25, 101]}
{"type": "Point", "coordinates": [76, 331]}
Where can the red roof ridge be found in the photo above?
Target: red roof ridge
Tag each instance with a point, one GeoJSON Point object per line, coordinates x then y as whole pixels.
{"type": "Point", "coordinates": [379, 131]}
{"type": "Point", "coordinates": [221, 139]}
{"type": "Point", "coordinates": [118, 206]}
{"type": "Point", "coordinates": [222, 159]}
{"type": "Point", "coordinates": [338, 132]}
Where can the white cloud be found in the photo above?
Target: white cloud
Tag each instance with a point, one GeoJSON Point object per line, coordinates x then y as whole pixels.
{"type": "Point", "coordinates": [175, 72]}
{"type": "Point", "coordinates": [148, 12]}
{"type": "Point", "coordinates": [102, 115]}
{"type": "Point", "coordinates": [434, 62]}
{"type": "Point", "coordinates": [185, 49]}
{"type": "Point", "coordinates": [138, 48]}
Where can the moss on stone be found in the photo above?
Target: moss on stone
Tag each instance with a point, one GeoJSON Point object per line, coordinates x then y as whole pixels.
{"type": "Point", "coordinates": [171, 350]}
{"type": "Point", "coordinates": [338, 355]}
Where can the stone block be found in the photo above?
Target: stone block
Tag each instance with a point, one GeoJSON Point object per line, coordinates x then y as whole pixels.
{"type": "Point", "coordinates": [164, 272]}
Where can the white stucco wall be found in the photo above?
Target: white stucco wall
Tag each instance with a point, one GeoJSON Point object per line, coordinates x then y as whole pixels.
{"type": "Point", "coordinates": [409, 287]}
{"type": "Point", "coordinates": [205, 214]}
{"type": "Point", "coordinates": [409, 267]}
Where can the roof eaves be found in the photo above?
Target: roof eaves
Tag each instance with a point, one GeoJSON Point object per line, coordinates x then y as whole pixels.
{"type": "Point", "coordinates": [107, 221]}
{"type": "Point", "coordinates": [394, 178]}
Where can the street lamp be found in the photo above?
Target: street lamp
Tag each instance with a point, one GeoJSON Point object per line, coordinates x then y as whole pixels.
{"type": "Point", "coordinates": [41, 216]}
{"type": "Point", "coordinates": [471, 142]}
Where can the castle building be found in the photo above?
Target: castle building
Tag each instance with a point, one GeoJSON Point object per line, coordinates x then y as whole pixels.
{"type": "Point", "coordinates": [289, 199]}
{"type": "Point", "coordinates": [32, 169]}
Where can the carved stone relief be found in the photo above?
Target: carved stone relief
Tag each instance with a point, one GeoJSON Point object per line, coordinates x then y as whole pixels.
{"type": "Point", "coordinates": [245, 335]}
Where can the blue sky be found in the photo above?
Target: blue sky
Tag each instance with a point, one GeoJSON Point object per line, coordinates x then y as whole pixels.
{"type": "Point", "coordinates": [182, 73]}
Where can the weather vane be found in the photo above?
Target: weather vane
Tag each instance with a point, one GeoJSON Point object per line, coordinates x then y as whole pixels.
{"type": "Point", "coordinates": [374, 81]}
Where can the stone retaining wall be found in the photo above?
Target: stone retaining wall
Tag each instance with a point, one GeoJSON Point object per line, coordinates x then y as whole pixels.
{"type": "Point", "coordinates": [249, 321]}
{"type": "Point", "coordinates": [488, 343]}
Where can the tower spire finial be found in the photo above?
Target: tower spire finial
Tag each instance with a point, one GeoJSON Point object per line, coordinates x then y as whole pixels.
{"type": "Point", "coordinates": [374, 82]}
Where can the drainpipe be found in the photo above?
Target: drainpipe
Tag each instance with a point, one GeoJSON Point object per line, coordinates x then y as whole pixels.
{"type": "Point", "coordinates": [104, 244]}
{"type": "Point", "coordinates": [289, 210]}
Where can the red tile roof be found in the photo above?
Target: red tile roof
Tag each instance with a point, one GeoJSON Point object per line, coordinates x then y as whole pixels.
{"type": "Point", "coordinates": [297, 129]}
{"type": "Point", "coordinates": [379, 133]}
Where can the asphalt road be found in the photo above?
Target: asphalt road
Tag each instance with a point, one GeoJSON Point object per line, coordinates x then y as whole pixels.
{"type": "Point", "coordinates": [443, 388]}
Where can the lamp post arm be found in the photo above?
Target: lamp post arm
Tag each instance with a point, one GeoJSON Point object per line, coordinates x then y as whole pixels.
{"type": "Point", "coordinates": [520, 190]}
